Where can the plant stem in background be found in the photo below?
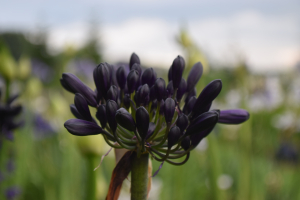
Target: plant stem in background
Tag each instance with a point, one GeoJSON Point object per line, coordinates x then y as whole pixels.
{"type": "Point", "coordinates": [215, 168]}
{"type": "Point", "coordinates": [91, 178]}
{"type": "Point", "coordinates": [139, 177]}
{"type": "Point", "coordinates": [244, 182]}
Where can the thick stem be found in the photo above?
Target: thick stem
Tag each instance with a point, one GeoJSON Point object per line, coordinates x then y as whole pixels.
{"type": "Point", "coordinates": [139, 177]}
{"type": "Point", "coordinates": [91, 178]}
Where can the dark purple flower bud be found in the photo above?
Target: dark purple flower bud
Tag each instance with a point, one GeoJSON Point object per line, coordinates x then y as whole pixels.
{"type": "Point", "coordinates": [113, 70]}
{"type": "Point", "coordinates": [7, 111]}
{"type": "Point", "coordinates": [190, 94]}
{"type": "Point", "coordinates": [126, 101]}
{"type": "Point", "coordinates": [196, 138]}
{"type": "Point", "coordinates": [74, 85]}
{"type": "Point", "coordinates": [236, 116]}
{"type": "Point", "coordinates": [142, 121]}
{"type": "Point", "coordinates": [121, 77]}
{"type": "Point", "coordinates": [154, 105]}
{"type": "Point", "coordinates": [162, 107]}
{"type": "Point", "coordinates": [187, 109]}
{"type": "Point", "coordinates": [186, 143]}
{"type": "Point", "coordinates": [181, 89]}
{"type": "Point", "coordinates": [66, 86]}
{"type": "Point", "coordinates": [149, 77]}
{"type": "Point", "coordinates": [134, 59]}
{"type": "Point", "coordinates": [144, 94]}
{"type": "Point", "coordinates": [101, 115]}
{"type": "Point", "coordinates": [136, 97]}
{"type": "Point", "coordinates": [202, 122]}
{"type": "Point", "coordinates": [170, 89]}
{"type": "Point", "coordinates": [173, 136]}
{"type": "Point", "coordinates": [203, 110]}
{"type": "Point", "coordinates": [177, 70]}
{"type": "Point", "coordinates": [82, 128]}
{"type": "Point", "coordinates": [170, 74]}
{"type": "Point", "coordinates": [194, 76]}
{"type": "Point", "coordinates": [102, 78]}
{"type": "Point", "coordinates": [208, 94]}
{"type": "Point", "coordinates": [169, 109]}
{"type": "Point", "coordinates": [160, 87]}
{"type": "Point", "coordinates": [132, 81]}
{"type": "Point", "coordinates": [75, 112]}
{"type": "Point", "coordinates": [182, 122]}
{"type": "Point", "coordinates": [82, 107]}
{"type": "Point", "coordinates": [111, 109]}
{"type": "Point", "coordinates": [152, 93]}
{"type": "Point", "coordinates": [137, 67]}
{"type": "Point", "coordinates": [113, 93]}
{"type": "Point", "coordinates": [151, 129]}
{"type": "Point", "coordinates": [99, 96]}
{"type": "Point", "coordinates": [125, 119]}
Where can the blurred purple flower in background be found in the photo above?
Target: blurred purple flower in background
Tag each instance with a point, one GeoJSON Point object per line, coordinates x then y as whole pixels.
{"type": "Point", "coordinates": [7, 115]}
{"type": "Point", "coordinates": [42, 128]}
{"type": "Point", "coordinates": [287, 153]}
{"type": "Point", "coordinates": [44, 72]}
{"type": "Point", "coordinates": [82, 67]}
{"type": "Point", "coordinates": [12, 192]}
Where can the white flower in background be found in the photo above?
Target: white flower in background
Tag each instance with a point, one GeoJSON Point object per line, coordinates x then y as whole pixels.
{"type": "Point", "coordinates": [225, 181]}
{"type": "Point", "coordinates": [269, 97]}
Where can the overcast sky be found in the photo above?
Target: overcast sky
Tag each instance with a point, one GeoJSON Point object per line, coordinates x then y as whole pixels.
{"type": "Point", "coordinates": [266, 32]}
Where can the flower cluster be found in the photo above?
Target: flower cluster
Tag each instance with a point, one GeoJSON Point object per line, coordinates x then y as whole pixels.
{"type": "Point", "coordinates": [7, 114]}
{"type": "Point", "coordinates": [139, 112]}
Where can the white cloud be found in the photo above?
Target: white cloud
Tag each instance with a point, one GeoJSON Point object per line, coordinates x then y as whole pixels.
{"type": "Point", "coordinates": [151, 39]}
{"type": "Point", "coordinates": [267, 42]}
{"type": "Point", "coordinates": [72, 34]}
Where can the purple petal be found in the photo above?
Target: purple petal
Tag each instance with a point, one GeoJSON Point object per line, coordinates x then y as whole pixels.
{"type": "Point", "coordinates": [75, 112]}
{"type": "Point", "coordinates": [142, 121]}
{"type": "Point", "coordinates": [208, 94]}
{"type": "Point", "coordinates": [151, 129]}
{"type": "Point", "coordinates": [82, 128]}
{"type": "Point", "coordinates": [82, 107]}
{"type": "Point", "coordinates": [121, 76]}
{"type": "Point", "coordinates": [181, 89]}
{"type": "Point", "coordinates": [194, 76]}
{"type": "Point", "coordinates": [196, 138]}
{"type": "Point", "coordinates": [177, 70]}
{"type": "Point", "coordinates": [111, 109]}
{"type": "Point", "coordinates": [155, 173]}
{"type": "Point", "coordinates": [75, 85]}
{"type": "Point", "coordinates": [235, 116]}
{"type": "Point", "coordinates": [169, 109]}
{"type": "Point", "coordinates": [125, 119]}
{"type": "Point", "coordinates": [203, 122]}
{"type": "Point", "coordinates": [12, 192]}
{"type": "Point", "coordinates": [134, 58]}
{"type": "Point", "coordinates": [102, 77]}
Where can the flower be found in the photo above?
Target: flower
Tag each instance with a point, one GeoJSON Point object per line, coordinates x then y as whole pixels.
{"type": "Point", "coordinates": [145, 116]}
{"type": "Point", "coordinates": [8, 112]}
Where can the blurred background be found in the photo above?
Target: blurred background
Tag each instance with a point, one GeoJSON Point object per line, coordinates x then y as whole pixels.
{"type": "Point", "coordinates": [252, 46]}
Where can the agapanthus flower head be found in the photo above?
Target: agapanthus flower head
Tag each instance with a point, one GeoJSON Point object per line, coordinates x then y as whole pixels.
{"type": "Point", "coordinates": [145, 116]}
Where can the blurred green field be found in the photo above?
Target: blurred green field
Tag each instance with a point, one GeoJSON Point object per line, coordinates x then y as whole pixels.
{"type": "Point", "coordinates": [258, 160]}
